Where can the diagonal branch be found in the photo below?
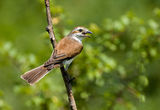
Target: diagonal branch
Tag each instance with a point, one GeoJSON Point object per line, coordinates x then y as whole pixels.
{"type": "Point", "coordinates": [68, 85]}
{"type": "Point", "coordinates": [50, 26]}
{"type": "Point", "coordinates": [65, 75]}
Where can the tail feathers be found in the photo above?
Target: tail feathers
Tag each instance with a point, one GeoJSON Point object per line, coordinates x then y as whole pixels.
{"type": "Point", "coordinates": [35, 75]}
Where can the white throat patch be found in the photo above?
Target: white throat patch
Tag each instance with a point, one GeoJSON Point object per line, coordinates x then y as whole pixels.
{"type": "Point", "coordinates": [79, 39]}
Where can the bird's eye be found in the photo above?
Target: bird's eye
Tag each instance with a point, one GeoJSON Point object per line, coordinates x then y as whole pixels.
{"type": "Point", "coordinates": [80, 30]}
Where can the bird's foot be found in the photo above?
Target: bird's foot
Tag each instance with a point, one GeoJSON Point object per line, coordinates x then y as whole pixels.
{"type": "Point", "coordinates": [71, 79]}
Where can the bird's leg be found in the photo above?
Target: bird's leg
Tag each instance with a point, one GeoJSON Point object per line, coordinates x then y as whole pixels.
{"type": "Point", "coordinates": [72, 79]}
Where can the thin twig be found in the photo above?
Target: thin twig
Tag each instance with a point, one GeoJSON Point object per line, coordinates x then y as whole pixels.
{"type": "Point", "coordinates": [65, 75]}
{"type": "Point", "coordinates": [50, 26]}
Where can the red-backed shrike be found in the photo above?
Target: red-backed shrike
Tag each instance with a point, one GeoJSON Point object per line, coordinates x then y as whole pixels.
{"type": "Point", "coordinates": [64, 53]}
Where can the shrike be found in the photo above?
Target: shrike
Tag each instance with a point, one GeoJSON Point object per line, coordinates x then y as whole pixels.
{"type": "Point", "coordinates": [63, 54]}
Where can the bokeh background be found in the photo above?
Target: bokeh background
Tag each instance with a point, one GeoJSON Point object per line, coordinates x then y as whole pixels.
{"type": "Point", "coordinates": [119, 68]}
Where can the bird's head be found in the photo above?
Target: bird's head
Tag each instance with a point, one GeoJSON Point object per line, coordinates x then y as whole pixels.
{"type": "Point", "coordinates": [80, 32]}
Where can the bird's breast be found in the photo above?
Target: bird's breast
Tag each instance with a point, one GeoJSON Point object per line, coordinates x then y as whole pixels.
{"type": "Point", "coordinates": [68, 62]}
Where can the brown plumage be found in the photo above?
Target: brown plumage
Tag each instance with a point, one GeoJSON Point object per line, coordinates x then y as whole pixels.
{"type": "Point", "coordinates": [65, 50]}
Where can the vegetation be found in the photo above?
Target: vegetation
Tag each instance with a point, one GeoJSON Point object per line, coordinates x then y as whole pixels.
{"type": "Point", "coordinates": [117, 70]}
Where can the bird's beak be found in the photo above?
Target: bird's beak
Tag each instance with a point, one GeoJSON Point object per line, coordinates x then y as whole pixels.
{"type": "Point", "coordinates": [88, 32]}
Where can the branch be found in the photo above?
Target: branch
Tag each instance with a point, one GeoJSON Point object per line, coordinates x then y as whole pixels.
{"type": "Point", "coordinates": [65, 75]}
{"type": "Point", "coordinates": [50, 26]}
{"type": "Point", "coordinates": [68, 85]}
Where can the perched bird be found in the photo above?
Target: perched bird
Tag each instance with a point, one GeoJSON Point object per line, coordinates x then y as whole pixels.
{"type": "Point", "coordinates": [64, 53]}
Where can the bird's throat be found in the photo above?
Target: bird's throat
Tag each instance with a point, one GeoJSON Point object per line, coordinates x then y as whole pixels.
{"type": "Point", "coordinates": [79, 39]}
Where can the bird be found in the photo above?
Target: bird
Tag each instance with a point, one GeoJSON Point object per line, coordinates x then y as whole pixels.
{"type": "Point", "coordinates": [64, 53]}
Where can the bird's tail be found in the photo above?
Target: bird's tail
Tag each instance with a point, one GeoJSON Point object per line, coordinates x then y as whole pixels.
{"type": "Point", "coordinates": [35, 75]}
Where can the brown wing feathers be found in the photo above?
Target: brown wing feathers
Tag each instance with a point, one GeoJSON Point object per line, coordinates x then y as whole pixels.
{"type": "Point", "coordinates": [66, 49]}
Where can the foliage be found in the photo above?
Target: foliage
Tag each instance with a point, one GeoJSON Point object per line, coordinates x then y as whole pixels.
{"type": "Point", "coordinates": [3, 104]}
{"type": "Point", "coordinates": [114, 71]}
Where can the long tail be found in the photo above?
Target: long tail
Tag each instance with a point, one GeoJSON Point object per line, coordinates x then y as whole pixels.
{"type": "Point", "coordinates": [35, 75]}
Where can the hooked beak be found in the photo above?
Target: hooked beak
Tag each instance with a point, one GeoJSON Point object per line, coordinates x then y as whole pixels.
{"type": "Point", "coordinates": [86, 33]}
{"type": "Point", "coordinates": [89, 32]}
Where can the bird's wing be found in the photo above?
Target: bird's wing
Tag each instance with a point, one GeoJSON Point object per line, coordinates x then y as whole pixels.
{"type": "Point", "coordinates": [66, 49]}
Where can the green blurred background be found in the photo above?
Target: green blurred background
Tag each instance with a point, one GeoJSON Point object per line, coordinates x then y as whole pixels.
{"type": "Point", "coordinates": [117, 70]}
